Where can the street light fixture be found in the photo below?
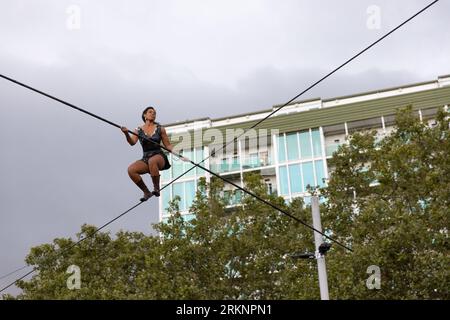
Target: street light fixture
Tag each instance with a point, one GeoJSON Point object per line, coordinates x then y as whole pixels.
{"type": "Point", "coordinates": [323, 249]}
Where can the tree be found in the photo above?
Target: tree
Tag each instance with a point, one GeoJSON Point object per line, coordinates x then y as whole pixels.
{"type": "Point", "coordinates": [235, 254]}
{"type": "Point", "coordinates": [388, 200]}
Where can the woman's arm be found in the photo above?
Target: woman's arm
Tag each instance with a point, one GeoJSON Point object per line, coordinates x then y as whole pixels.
{"type": "Point", "coordinates": [130, 139]}
{"type": "Point", "coordinates": [166, 142]}
{"type": "Point", "coordinates": [165, 139]}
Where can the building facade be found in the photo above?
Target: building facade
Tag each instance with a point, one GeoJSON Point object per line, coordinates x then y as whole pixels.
{"type": "Point", "coordinates": [291, 148]}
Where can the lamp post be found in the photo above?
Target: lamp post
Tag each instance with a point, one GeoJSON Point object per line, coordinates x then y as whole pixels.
{"type": "Point", "coordinates": [321, 249]}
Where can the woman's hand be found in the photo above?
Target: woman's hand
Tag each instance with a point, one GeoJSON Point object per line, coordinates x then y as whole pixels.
{"type": "Point", "coordinates": [124, 130]}
{"type": "Point", "coordinates": [130, 139]}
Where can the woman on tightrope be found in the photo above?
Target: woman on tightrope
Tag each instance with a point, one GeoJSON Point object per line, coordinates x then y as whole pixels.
{"type": "Point", "coordinates": [154, 159]}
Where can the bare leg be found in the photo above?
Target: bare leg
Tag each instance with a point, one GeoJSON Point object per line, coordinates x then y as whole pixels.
{"type": "Point", "coordinates": [135, 170]}
{"type": "Point", "coordinates": [155, 164]}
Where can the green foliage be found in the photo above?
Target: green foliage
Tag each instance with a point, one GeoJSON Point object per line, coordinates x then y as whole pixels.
{"type": "Point", "coordinates": [389, 201]}
{"type": "Point", "coordinates": [395, 214]}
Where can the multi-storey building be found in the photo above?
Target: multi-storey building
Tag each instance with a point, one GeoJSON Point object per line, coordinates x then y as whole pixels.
{"type": "Point", "coordinates": [291, 148]}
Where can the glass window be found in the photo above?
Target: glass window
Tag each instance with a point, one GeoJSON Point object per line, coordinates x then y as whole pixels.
{"type": "Point", "coordinates": [188, 217]}
{"type": "Point", "coordinates": [177, 167]}
{"type": "Point", "coordinates": [305, 145]}
{"type": "Point", "coordinates": [317, 146]}
{"type": "Point", "coordinates": [253, 160]}
{"type": "Point", "coordinates": [295, 178]}
{"type": "Point", "coordinates": [190, 193]}
{"type": "Point", "coordinates": [199, 156]}
{"type": "Point", "coordinates": [283, 179]}
{"type": "Point", "coordinates": [238, 196]}
{"type": "Point", "coordinates": [235, 166]}
{"type": "Point", "coordinates": [307, 201]}
{"type": "Point", "coordinates": [224, 165]}
{"type": "Point", "coordinates": [320, 173]}
{"type": "Point", "coordinates": [330, 149]}
{"type": "Point", "coordinates": [264, 158]}
{"type": "Point", "coordinates": [281, 148]}
{"type": "Point", "coordinates": [187, 165]}
{"type": "Point", "coordinates": [165, 194]}
{"type": "Point", "coordinates": [308, 174]}
{"type": "Point", "coordinates": [178, 190]}
{"type": "Point", "coordinates": [227, 196]}
{"type": "Point", "coordinates": [292, 146]}
{"type": "Point", "coordinates": [269, 188]}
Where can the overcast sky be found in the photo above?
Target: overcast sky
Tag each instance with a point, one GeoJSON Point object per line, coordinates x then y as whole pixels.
{"type": "Point", "coordinates": [191, 59]}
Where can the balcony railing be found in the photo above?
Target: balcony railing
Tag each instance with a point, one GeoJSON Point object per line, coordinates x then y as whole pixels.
{"type": "Point", "coordinates": [331, 148]}
{"type": "Point", "coordinates": [226, 166]}
{"type": "Point", "coordinates": [249, 162]}
{"type": "Point", "coordinates": [256, 161]}
{"type": "Point", "coordinates": [233, 198]}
